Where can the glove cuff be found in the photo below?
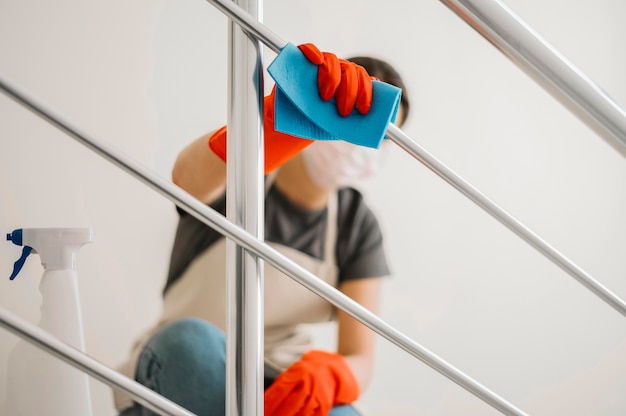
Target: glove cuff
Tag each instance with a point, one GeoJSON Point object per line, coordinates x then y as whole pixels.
{"type": "Point", "coordinates": [279, 147]}
{"type": "Point", "coordinates": [217, 143]}
{"type": "Point", "coordinates": [347, 387]}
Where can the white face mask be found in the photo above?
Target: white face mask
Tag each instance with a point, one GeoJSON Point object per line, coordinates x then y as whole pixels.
{"type": "Point", "coordinates": [335, 163]}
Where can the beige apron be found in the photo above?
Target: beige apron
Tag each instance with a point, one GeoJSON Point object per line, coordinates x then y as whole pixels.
{"type": "Point", "coordinates": [201, 293]}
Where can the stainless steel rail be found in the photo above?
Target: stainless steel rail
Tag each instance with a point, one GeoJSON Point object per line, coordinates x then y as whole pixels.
{"type": "Point", "coordinates": [45, 341]}
{"type": "Point", "coordinates": [213, 219]}
{"type": "Point", "coordinates": [447, 174]}
{"type": "Point", "coordinates": [550, 69]}
{"type": "Point", "coordinates": [245, 208]}
{"type": "Point", "coordinates": [249, 24]}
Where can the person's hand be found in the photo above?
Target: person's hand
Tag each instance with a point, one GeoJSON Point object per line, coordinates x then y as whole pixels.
{"type": "Point", "coordinates": [279, 147]}
{"type": "Point", "coordinates": [312, 386]}
{"type": "Point", "coordinates": [348, 82]}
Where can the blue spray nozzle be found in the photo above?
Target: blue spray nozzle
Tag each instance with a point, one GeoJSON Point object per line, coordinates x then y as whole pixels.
{"type": "Point", "coordinates": [15, 236]}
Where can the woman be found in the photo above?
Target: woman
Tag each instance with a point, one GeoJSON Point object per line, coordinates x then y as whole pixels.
{"type": "Point", "coordinates": [314, 218]}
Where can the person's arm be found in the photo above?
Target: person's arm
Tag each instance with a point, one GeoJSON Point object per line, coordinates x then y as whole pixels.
{"type": "Point", "coordinates": [199, 171]}
{"type": "Point", "coordinates": [356, 342]}
{"type": "Point", "coordinates": [200, 168]}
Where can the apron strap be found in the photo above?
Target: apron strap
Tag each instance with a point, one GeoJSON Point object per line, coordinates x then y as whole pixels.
{"type": "Point", "coordinates": [331, 230]}
{"type": "Point", "coordinates": [269, 180]}
{"type": "Point", "coordinates": [330, 239]}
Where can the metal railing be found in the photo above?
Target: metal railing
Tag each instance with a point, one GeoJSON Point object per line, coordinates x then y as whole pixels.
{"type": "Point", "coordinates": [214, 219]}
{"type": "Point", "coordinates": [245, 208]}
{"type": "Point", "coordinates": [577, 88]}
{"type": "Point", "coordinates": [50, 344]}
{"type": "Point", "coordinates": [596, 108]}
{"type": "Point", "coordinates": [549, 68]}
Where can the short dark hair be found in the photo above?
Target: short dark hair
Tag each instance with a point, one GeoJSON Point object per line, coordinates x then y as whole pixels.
{"type": "Point", "coordinates": [386, 73]}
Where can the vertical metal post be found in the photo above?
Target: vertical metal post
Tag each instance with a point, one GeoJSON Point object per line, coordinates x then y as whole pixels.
{"type": "Point", "coordinates": [244, 367]}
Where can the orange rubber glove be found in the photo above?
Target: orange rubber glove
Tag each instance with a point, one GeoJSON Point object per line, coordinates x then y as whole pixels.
{"type": "Point", "coordinates": [279, 147]}
{"type": "Point", "coordinates": [312, 386]}
{"type": "Point", "coordinates": [348, 82]}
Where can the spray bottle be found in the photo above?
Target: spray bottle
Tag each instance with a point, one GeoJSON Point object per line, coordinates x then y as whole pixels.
{"type": "Point", "coordinates": [37, 382]}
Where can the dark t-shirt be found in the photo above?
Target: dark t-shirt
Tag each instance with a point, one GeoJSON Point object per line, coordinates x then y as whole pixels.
{"type": "Point", "coordinates": [359, 250]}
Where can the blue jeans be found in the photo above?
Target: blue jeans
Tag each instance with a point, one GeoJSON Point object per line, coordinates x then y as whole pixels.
{"type": "Point", "coordinates": [186, 362]}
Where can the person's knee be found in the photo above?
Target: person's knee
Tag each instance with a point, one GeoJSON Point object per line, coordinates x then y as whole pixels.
{"type": "Point", "coordinates": [187, 348]}
{"type": "Point", "coordinates": [191, 339]}
{"type": "Point", "coordinates": [186, 362]}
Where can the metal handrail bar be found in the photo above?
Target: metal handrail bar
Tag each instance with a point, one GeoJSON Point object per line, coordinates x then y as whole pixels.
{"type": "Point", "coordinates": [250, 24]}
{"type": "Point", "coordinates": [215, 220]}
{"type": "Point", "coordinates": [65, 352]}
{"type": "Point", "coordinates": [520, 43]}
{"type": "Point", "coordinates": [447, 174]}
{"type": "Point", "coordinates": [395, 134]}
{"type": "Point", "coordinates": [549, 68]}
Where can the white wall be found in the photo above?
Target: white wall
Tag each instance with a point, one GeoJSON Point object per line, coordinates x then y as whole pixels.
{"type": "Point", "coordinates": [149, 76]}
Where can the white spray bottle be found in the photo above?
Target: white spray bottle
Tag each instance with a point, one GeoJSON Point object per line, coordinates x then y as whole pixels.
{"type": "Point", "coordinates": [37, 382]}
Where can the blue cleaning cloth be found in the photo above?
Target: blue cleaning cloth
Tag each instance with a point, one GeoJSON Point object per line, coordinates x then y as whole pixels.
{"type": "Point", "coordinates": [299, 110]}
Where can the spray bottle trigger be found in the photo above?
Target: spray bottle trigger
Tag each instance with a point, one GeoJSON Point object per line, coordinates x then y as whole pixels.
{"type": "Point", "coordinates": [20, 262]}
